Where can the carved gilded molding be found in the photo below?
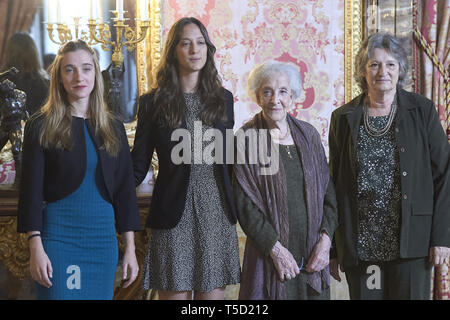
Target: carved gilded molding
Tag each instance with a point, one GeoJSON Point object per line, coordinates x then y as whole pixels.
{"type": "Point", "coordinates": [353, 38]}
{"type": "Point", "coordinates": [148, 52]}
{"type": "Point", "coordinates": [14, 253]}
{"type": "Point", "coordinates": [148, 55]}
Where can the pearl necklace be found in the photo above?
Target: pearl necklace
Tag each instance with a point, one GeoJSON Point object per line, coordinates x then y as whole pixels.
{"type": "Point", "coordinates": [288, 150]}
{"type": "Point", "coordinates": [288, 131]}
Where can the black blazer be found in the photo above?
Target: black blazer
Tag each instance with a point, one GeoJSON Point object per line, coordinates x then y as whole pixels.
{"type": "Point", "coordinates": [50, 174]}
{"type": "Point", "coordinates": [424, 155]}
{"type": "Point", "coordinates": [169, 193]}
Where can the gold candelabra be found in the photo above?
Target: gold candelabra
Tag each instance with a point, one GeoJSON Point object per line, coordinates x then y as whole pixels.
{"type": "Point", "coordinates": [132, 37]}
{"type": "Point", "coordinates": [101, 33]}
{"type": "Point", "coordinates": [65, 34]}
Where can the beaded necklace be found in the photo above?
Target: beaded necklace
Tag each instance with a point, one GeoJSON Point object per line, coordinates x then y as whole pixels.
{"type": "Point", "coordinates": [379, 132]}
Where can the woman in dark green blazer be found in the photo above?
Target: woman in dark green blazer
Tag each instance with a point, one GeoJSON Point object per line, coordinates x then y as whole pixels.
{"type": "Point", "coordinates": [389, 160]}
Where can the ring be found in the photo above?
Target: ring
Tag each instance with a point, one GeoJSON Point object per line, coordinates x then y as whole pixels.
{"type": "Point", "coordinates": [288, 276]}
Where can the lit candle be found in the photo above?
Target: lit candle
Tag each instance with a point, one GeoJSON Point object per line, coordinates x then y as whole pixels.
{"type": "Point", "coordinates": [100, 10]}
{"type": "Point", "coordinates": [58, 12]}
{"type": "Point", "coordinates": [91, 9]}
{"type": "Point", "coordinates": [144, 10]}
{"type": "Point", "coordinates": [50, 7]}
{"type": "Point", "coordinates": [119, 8]}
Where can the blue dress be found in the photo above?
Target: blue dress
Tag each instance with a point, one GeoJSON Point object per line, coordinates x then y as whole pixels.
{"type": "Point", "coordinates": [79, 237]}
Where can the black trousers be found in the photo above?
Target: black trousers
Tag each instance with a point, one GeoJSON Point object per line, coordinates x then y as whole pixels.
{"type": "Point", "coordinates": [402, 279]}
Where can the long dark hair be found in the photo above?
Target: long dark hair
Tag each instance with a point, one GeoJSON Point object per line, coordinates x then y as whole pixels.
{"type": "Point", "coordinates": [21, 52]}
{"type": "Point", "coordinates": [169, 99]}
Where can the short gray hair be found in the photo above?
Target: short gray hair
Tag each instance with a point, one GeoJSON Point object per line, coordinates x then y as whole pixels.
{"type": "Point", "coordinates": [381, 40]}
{"type": "Point", "coordinates": [260, 72]}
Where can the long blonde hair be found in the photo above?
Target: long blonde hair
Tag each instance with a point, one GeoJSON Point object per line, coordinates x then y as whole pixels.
{"type": "Point", "coordinates": [57, 126]}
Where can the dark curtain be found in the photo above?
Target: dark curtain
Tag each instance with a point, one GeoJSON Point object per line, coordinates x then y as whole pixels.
{"type": "Point", "coordinates": [432, 65]}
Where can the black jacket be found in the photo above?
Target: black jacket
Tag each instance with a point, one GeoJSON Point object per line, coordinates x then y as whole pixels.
{"type": "Point", "coordinates": [169, 193]}
{"type": "Point", "coordinates": [50, 175]}
{"type": "Point", "coordinates": [424, 156]}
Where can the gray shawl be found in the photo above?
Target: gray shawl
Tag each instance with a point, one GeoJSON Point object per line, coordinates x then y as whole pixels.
{"type": "Point", "coordinates": [259, 278]}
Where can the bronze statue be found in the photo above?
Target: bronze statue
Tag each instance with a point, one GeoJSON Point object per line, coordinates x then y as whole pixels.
{"type": "Point", "coordinates": [12, 112]}
{"type": "Point", "coordinates": [113, 79]}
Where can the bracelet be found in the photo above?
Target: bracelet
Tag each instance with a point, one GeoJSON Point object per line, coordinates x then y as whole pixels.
{"type": "Point", "coordinates": [34, 235]}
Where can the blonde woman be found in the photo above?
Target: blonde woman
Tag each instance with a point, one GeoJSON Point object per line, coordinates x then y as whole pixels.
{"type": "Point", "coordinates": [77, 185]}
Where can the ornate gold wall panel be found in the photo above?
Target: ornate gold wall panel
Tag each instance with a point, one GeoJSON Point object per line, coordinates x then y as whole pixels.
{"type": "Point", "coordinates": [353, 37]}
{"type": "Point", "coordinates": [148, 52]}
{"type": "Point", "coordinates": [14, 252]}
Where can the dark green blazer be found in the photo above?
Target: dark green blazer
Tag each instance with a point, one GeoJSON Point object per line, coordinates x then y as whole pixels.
{"type": "Point", "coordinates": [424, 154]}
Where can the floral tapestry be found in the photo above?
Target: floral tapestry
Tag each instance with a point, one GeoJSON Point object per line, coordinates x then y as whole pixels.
{"type": "Point", "coordinates": [7, 168]}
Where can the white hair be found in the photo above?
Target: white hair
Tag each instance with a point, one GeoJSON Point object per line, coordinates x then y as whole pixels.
{"type": "Point", "coordinates": [265, 69]}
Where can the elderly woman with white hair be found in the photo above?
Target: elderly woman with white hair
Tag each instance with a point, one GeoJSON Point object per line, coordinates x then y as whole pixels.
{"type": "Point", "coordinates": [289, 216]}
